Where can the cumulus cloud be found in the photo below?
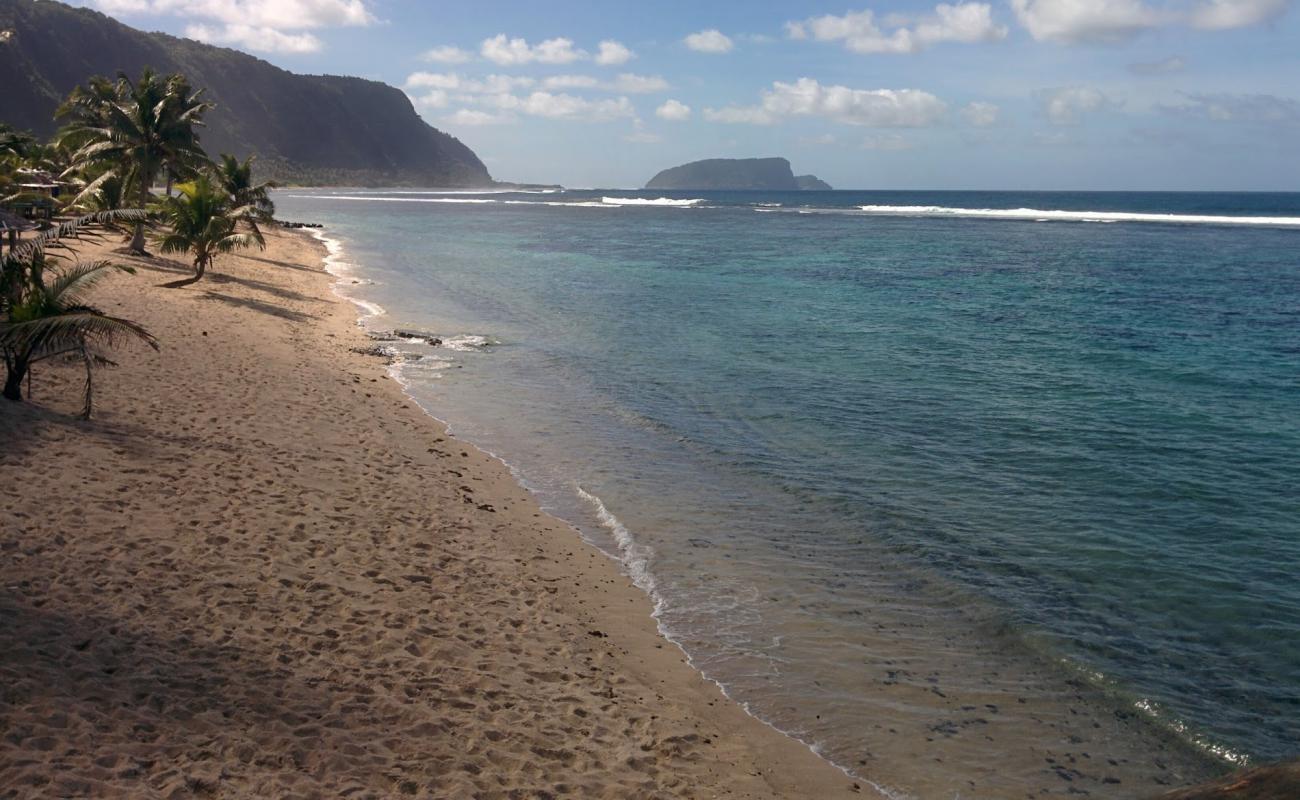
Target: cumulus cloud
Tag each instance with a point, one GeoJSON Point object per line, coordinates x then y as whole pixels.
{"type": "Point", "coordinates": [498, 99]}
{"type": "Point", "coordinates": [709, 41]}
{"type": "Point", "coordinates": [261, 25]}
{"type": "Point", "coordinates": [877, 108]}
{"type": "Point", "coordinates": [567, 106]}
{"type": "Point", "coordinates": [1258, 109]}
{"type": "Point", "coordinates": [1084, 20]}
{"type": "Point", "coordinates": [446, 54]}
{"type": "Point", "coordinates": [1222, 14]}
{"type": "Point", "coordinates": [611, 53]}
{"type": "Point", "coordinates": [451, 81]}
{"type": "Point", "coordinates": [1165, 66]}
{"type": "Point", "coordinates": [265, 40]}
{"type": "Point", "coordinates": [673, 110]}
{"type": "Point", "coordinates": [1070, 104]}
{"type": "Point", "coordinates": [467, 116]}
{"type": "Point", "coordinates": [508, 52]}
{"type": "Point", "coordinates": [627, 82]}
{"type": "Point", "coordinates": [505, 51]}
{"type": "Point", "coordinates": [980, 114]}
{"type": "Point", "coordinates": [1074, 21]}
{"type": "Point", "coordinates": [862, 32]}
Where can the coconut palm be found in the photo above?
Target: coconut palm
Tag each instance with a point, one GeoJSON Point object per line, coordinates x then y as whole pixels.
{"type": "Point", "coordinates": [136, 131]}
{"type": "Point", "coordinates": [237, 179]}
{"type": "Point", "coordinates": [203, 220]}
{"type": "Point", "coordinates": [48, 316]}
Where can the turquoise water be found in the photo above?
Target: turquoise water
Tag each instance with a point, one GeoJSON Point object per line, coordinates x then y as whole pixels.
{"type": "Point", "coordinates": [870, 461]}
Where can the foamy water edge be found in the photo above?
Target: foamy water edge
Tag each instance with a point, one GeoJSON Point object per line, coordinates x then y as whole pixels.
{"type": "Point", "coordinates": [633, 557]}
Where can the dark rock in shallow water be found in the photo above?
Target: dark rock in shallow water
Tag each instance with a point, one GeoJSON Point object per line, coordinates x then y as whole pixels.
{"type": "Point", "coordinates": [288, 224]}
{"type": "Point", "coordinates": [379, 351]}
{"type": "Point", "coordinates": [1273, 782]}
{"type": "Point", "coordinates": [432, 341]}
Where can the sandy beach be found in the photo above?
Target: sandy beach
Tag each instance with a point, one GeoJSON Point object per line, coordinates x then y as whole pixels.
{"type": "Point", "coordinates": [261, 571]}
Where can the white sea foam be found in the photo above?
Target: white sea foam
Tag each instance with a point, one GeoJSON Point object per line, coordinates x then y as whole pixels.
{"type": "Point", "coordinates": [635, 556]}
{"type": "Point", "coordinates": [667, 202]}
{"type": "Point", "coordinates": [452, 192]}
{"type": "Point", "coordinates": [1042, 215]}
{"type": "Point", "coordinates": [465, 342]}
{"type": "Point", "coordinates": [336, 265]}
{"type": "Point", "coordinates": [382, 199]}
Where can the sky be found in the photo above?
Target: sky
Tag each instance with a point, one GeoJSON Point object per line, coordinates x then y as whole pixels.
{"type": "Point", "coordinates": [880, 94]}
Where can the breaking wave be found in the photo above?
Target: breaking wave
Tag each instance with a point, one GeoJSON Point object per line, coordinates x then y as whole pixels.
{"type": "Point", "coordinates": [1053, 215]}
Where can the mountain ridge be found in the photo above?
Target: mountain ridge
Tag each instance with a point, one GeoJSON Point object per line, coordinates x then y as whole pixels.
{"type": "Point", "coordinates": [317, 129]}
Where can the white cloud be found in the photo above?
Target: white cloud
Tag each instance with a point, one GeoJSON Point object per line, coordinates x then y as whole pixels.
{"type": "Point", "coordinates": [509, 52]}
{"type": "Point", "coordinates": [887, 141]}
{"type": "Point", "coordinates": [264, 40]}
{"type": "Point", "coordinates": [262, 25]}
{"type": "Point", "coordinates": [627, 83]}
{"type": "Point", "coordinates": [451, 81]}
{"type": "Point", "coordinates": [566, 106]}
{"type": "Point", "coordinates": [1222, 14]}
{"type": "Point", "coordinates": [1165, 66]}
{"type": "Point", "coordinates": [643, 137]}
{"type": "Point", "coordinates": [709, 41]}
{"type": "Point", "coordinates": [823, 140]}
{"type": "Point", "coordinates": [980, 114]}
{"type": "Point", "coordinates": [570, 82]}
{"type": "Point", "coordinates": [466, 116]}
{"type": "Point", "coordinates": [1069, 105]}
{"type": "Point", "coordinates": [876, 108]}
{"type": "Point", "coordinates": [862, 33]}
{"type": "Point", "coordinates": [434, 98]}
{"type": "Point", "coordinates": [673, 110]}
{"type": "Point", "coordinates": [612, 52]}
{"type": "Point", "coordinates": [447, 54]}
{"type": "Point", "coordinates": [1084, 20]}
{"type": "Point", "coordinates": [1075, 21]}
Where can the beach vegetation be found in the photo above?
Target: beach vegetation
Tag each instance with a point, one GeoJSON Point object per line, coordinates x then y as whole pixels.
{"type": "Point", "coordinates": [133, 132]}
{"type": "Point", "coordinates": [254, 198]}
{"type": "Point", "coordinates": [44, 310]}
{"type": "Point", "coordinates": [203, 221]}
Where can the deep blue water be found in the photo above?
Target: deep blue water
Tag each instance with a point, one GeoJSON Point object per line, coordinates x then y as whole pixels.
{"type": "Point", "coordinates": [815, 432]}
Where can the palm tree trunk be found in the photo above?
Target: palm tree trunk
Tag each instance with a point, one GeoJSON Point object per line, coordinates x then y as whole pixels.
{"type": "Point", "coordinates": [137, 236]}
{"type": "Point", "coordinates": [200, 266]}
{"type": "Point", "coordinates": [17, 370]}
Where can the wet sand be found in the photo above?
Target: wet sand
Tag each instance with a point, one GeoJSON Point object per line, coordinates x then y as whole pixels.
{"type": "Point", "coordinates": [260, 571]}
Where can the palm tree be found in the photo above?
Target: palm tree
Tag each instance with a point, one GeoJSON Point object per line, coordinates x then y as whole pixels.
{"type": "Point", "coordinates": [237, 180]}
{"type": "Point", "coordinates": [137, 131]}
{"type": "Point", "coordinates": [49, 319]}
{"type": "Point", "coordinates": [203, 221]}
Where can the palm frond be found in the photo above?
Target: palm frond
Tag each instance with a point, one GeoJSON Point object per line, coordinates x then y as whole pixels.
{"type": "Point", "coordinates": [68, 329]}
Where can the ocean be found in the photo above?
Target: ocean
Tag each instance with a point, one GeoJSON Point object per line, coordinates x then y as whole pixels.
{"type": "Point", "coordinates": [980, 494]}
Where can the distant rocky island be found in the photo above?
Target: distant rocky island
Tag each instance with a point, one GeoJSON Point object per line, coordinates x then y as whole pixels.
{"type": "Point", "coordinates": [772, 174]}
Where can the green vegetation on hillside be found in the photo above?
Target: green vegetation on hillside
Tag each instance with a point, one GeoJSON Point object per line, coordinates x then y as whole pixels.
{"type": "Point", "coordinates": [306, 129]}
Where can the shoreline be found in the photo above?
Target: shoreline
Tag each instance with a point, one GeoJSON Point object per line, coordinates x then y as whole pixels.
{"type": "Point", "coordinates": [209, 584]}
{"type": "Point", "coordinates": [335, 265]}
{"type": "Point", "coordinates": [1158, 732]}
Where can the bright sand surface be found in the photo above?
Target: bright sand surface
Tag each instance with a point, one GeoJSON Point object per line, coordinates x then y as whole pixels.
{"type": "Point", "coordinates": [260, 571]}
